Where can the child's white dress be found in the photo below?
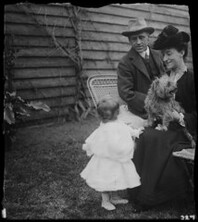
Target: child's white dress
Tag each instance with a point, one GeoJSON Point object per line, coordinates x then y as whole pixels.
{"type": "Point", "coordinates": [110, 168]}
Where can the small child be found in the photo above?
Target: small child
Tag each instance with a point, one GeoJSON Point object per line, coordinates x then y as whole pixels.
{"type": "Point", "coordinates": [111, 146]}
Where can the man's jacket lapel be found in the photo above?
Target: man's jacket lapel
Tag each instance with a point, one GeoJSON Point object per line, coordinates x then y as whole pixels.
{"type": "Point", "coordinates": [138, 62]}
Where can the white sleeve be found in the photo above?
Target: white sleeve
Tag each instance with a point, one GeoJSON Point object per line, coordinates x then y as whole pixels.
{"type": "Point", "coordinates": [89, 143]}
{"type": "Point", "coordinates": [87, 148]}
{"type": "Point", "coordinates": [136, 132]}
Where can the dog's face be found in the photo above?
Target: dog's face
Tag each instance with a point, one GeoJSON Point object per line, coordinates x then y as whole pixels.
{"type": "Point", "coordinates": [164, 87]}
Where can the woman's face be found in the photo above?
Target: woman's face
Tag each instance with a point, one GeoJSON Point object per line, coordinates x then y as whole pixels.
{"type": "Point", "coordinates": [172, 58]}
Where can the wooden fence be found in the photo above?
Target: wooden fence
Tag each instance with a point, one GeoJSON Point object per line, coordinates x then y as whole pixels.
{"type": "Point", "coordinates": [42, 72]}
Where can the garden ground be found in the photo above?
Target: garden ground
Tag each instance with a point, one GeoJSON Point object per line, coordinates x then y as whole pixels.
{"type": "Point", "coordinates": [42, 178]}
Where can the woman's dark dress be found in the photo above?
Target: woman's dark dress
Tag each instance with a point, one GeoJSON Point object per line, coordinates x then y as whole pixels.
{"type": "Point", "coordinates": [162, 175]}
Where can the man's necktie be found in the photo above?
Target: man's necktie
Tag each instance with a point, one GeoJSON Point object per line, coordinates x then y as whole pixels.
{"type": "Point", "coordinates": [147, 63]}
{"type": "Point", "coordinates": [146, 58]}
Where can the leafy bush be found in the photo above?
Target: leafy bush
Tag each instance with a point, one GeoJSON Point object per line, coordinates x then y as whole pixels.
{"type": "Point", "coordinates": [15, 108]}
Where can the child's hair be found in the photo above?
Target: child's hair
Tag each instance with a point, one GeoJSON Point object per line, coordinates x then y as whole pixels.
{"type": "Point", "coordinates": [107, 108]}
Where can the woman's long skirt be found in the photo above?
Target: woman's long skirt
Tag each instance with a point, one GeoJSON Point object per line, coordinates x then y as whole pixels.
{"type": "Point", "coordinates": [163, 176]}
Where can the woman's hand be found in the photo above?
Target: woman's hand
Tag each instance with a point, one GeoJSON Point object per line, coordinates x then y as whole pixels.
{"type": "Point", "coordinates": [178, 116]}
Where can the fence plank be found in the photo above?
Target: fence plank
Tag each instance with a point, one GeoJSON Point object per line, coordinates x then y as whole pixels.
{"type": "Point", "coordinates": [38, 73]}
{"type": "Point", "coordinates": [41, 83]}
{"type": "Point", "coordinates": [42, 62]}
{"type": "Point", "coordinates": [43, 93]}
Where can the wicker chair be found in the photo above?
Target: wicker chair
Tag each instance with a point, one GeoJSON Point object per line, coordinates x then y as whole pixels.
{"type": "Point", "coordinates": [188, 154]}
{"type": "Point", "coordinates": [101, 85]}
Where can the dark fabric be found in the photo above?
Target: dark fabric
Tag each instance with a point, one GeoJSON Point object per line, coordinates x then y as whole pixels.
{"type": "Point", "coordinates": [162, 175]}
{"type": "Point", "coordinates": [151, 67]}
{"type": "Point", "coordinates": [170, 37]}
{"type": "Point", "coordinates": [134, 80]}
{"type": "Point", "coordinates": [186, 96]}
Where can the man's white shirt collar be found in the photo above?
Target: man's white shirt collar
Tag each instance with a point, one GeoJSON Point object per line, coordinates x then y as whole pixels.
{"type": "Point", "coordinates": [147, 51]}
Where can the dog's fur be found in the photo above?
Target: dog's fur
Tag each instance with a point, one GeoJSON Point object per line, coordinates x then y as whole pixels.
{"type": "Point", "coordinates": [160, 104]}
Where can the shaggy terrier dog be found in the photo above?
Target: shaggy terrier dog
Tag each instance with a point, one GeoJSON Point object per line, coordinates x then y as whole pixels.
{"type": "Point", "coordinates": [162, 107]}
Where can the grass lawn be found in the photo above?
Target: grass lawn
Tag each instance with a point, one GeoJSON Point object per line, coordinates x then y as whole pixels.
{"type": "Point", "coordinates": [42, 178]}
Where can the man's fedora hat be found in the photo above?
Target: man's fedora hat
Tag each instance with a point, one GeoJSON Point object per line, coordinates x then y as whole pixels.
{"type": "Point", "coordinates": [137, 25]}
{"type": "Point", "coordinates": [170, 37]}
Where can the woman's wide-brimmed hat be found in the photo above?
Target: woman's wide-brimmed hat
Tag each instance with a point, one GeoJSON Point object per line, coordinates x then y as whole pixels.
{"type": "Point", "coordinates": [170, 37]}
{"type": "Point", "coordinates": [137, 25]}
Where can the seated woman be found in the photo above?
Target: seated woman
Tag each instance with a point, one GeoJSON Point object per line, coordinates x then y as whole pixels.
{"type": "Point", "coordinates": [162, 176]}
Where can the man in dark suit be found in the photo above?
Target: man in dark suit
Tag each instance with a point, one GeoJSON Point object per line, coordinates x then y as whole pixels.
{"type": "Point", "coordinates": [138, 67]}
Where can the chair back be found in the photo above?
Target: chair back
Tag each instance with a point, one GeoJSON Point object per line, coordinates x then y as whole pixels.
{"type": "Point", "coordinates": [101, 85]}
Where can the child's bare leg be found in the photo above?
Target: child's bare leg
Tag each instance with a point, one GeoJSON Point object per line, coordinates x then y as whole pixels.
{"type": "Point", "coordinates": [116, 199]}
{"type": "Point", "coordinates": [106, 202]}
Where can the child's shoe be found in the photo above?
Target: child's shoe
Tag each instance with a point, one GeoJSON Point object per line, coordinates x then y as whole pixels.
{"type": "Point", "coordinates": [116, 199]}
{"type": "Point", "coordinates": [119, 201]}
{"type": "Point", "coordinates": [108, 206]}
